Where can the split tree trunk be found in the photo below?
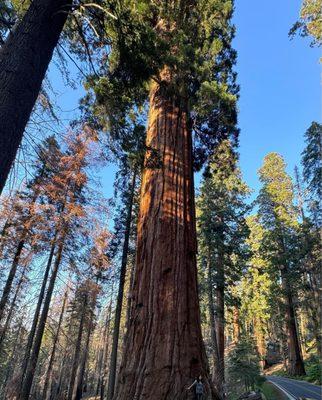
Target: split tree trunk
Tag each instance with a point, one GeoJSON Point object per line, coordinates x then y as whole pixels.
{"type": "Point", "coordinates": [164, 350]}
{"type": "Point", "coordinates": [118, 311]}
{"type": "Point", "coordinates": [24, 59]}
{"type": "Point", "coordinates": [295, 360]}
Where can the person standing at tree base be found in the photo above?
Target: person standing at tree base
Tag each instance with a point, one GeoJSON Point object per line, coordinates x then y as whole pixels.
{"type": "Point", "coordinates": [198, 388]}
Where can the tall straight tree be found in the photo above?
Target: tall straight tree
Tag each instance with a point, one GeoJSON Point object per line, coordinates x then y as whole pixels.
{"type": "Point", "coordinates": [179, 58]}
{"type": "Point", "coordinates": [222, 234]}
{"type": "Point", "coordinates": [278, 215]}
{"type": "Point", "coordinates": [24, 59]}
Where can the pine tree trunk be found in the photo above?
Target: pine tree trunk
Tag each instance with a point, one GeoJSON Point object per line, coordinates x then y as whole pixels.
{"type": "Point", "coordinates": [24, 59]}
{"type": "Point", "coordinates": [217, 372]}
{"type": "Point", "coordinates": [28, 380]}
{"type": "Point", "coordinates": [11, 276]}
{"type": "Point", "coordinates": [104, 366]}
{"type": "Point", "coordinates": [118, 311]}
{"type": "Point", "coordinates": [164, 350]}
{"type": "Point", "coordinates": [260, 341]}
{"type": "Point", "coordinates": [220, 321]}
{"type": "Point", "coordinates": [236, 324]}
{"type": "Point", "coordinates": [53, 350]}
{"type": "Point", "coordinates": [36, 314]}
{"type": "Point", "coordinates": [77, 350]}
{"type": "Point", "coordinates": [3, 235]}
{"type": "Point", "coordinates": [296, 365]}
{"type": "Point", "coordinates": [78, 392]}
{"type": "Point", "coordinates": [12, 306]}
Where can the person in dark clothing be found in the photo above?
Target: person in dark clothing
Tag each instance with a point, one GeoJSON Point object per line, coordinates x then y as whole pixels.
{"type": "Point", "coordinates": [198, 388]}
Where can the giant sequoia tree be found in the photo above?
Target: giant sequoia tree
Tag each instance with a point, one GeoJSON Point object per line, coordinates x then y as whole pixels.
{"type": "Point", "coordinates": [179, 57]}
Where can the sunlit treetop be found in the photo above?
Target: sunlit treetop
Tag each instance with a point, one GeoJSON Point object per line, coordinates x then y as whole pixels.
{"type": "Point", "coordinates": [191, 41]}
{"type": "Point", "coordinates": [310, 21]}
{"type": "Point", "coordinates": [277, 194]}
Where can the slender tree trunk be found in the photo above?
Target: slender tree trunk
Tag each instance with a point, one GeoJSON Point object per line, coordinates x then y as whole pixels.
{"type": "Point", "coordinates": [220, 321]}
{"type": "Point", "coordinates": [41, 326]}
{"type": "Point", "coordinates": [118, 311]}
{"type": "Point", "coordinates": [164, 350]}
{"type": "Point", "coordinates": [78, 392]}
{"type": "Point", "coordinates": [217, 372]}
{"type": "Point", "coordinates": [36, 314]}
{"type": "Point", "coordinates": [11, 276]}
{"type": "Point", "coordinates": [53, 350]}
{"type": "Point", "coordinates": [260, 340]}
{"type": "Point", "coordinates": [3, 234]}
{"type": "Point", "coordinates": [236, 324]}
{"type": "Point", "coordinates": [24, 59]}
{"type": "Point", "coordinates": [104, 369]}
{"type": "Point", "coordinates": [296, 365]}
{"type": "Point", "coordinates": [77, 350]}
{"type": "Point", "coordinates": [12, 306]}
{"type": "Point", "coordinates": [12, 361]}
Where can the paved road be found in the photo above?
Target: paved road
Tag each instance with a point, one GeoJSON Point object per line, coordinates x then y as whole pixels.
{"type": "Point", "coordinates": [297, 389]}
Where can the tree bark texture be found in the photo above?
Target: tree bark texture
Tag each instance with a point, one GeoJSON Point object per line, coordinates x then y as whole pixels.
{"type": "Point", "coordinates": [24, 59]}
{"type": "Point", "coordinates": [164, 350]}
{"type": "Point", "coordinates": [295, 360]}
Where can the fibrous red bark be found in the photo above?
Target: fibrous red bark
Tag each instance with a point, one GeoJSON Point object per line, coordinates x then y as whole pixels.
{"type": "Point", "coordinates": [164, 351]}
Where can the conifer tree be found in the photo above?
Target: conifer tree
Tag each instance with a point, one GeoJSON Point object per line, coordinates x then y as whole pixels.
{"type": "Point", "coordinates": [278, 215]}
{"type": "Point", "coordinates": [178, 56]}
{"type": "Point", "coordinates": [222, 233]}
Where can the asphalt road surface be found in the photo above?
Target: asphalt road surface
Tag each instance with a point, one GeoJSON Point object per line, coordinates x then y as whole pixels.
{"type": "Point", "coordinates": [297, 389]}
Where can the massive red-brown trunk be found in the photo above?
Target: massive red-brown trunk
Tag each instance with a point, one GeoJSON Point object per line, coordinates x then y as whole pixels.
{"type": "Point", "coordinates": [164, 351]}
{"type": "Point", "coordinates": [295, 360]}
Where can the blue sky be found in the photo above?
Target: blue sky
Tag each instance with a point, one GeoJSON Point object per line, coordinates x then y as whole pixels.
{"type": "Point", "coordinates": [280, 84]}
{"type": "Point", "coordinates": [280, 87]}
